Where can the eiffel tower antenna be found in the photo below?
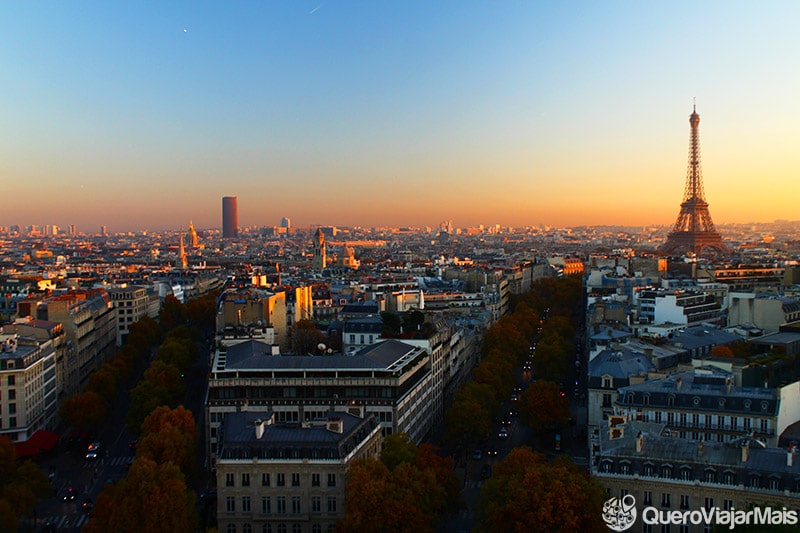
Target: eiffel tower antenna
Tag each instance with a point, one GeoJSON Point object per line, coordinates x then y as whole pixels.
{"type": "Point", "coordinates": [694, 230]}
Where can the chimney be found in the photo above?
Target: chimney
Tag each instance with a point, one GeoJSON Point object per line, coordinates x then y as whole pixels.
{"type": "Point", "coordinates": [790, 455]}
{"type": "Point", "coordinates": [678, 383]}
{"type": "Point", "coordinates": [639, 442]}
{"type": "Point", "coordinates": [701, 448]}
{"type": "Point", "coordinates": [335, 425]}
{"type": "Point", "coordinates": [259, 428]}
{"type": "Point", "coordinates": [728, 385]}
{"type": "Point", "coordinates": [745, 451]}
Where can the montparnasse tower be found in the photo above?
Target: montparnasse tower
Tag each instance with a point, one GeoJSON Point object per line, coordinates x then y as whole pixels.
{"type": "Point", "coordinates": [694, 231]}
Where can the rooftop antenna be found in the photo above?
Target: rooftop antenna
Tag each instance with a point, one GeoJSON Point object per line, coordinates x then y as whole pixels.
{"type": "Point", "coordinates": [694, 104]}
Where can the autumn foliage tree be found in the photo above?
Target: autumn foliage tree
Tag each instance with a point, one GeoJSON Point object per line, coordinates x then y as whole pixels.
{"type": "Point", "coordinates": [86, 411]}
{"type": "Point", "coordinates": [407, 489]}
{"type": "Point", "coordinates": [152, 497]}
{"type": "Point", "coordinates": [544, 408]}
{"type": "Point", "coordinates": [526, 493]}
{"type": "Point", "coordinates": [170, 435]}
{"type": "Point", "coordinates": [21, 485]}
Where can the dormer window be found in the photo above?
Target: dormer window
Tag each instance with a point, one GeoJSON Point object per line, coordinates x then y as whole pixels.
{"type": "Point", "coordinates": [607, 382]}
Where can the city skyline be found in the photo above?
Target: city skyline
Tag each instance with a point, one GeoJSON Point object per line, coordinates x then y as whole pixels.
{"type": "Point", "coordinates": [379, 114]}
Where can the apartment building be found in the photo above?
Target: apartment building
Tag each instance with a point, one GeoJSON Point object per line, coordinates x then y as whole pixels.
{"type": "Point", "coordinates": [279, 476]}
{"type": "Point", "coordinates": [392, 380]}
{"type": "Point", "coordinates": [28, 399]}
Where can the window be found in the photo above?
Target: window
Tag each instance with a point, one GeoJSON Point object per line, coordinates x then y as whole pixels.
{"type": "Point", "coordinates": [606, 382]}
{"type": "Point", "coordinates": [265, 480]}
{"type": "Point", "coordinates": [281, 480]}
{"type": "Point", "coordinates": [281, 528]}
{"type": "Point", "coordinates": [764, 425]}
{"type": "Point", "coordinates": [245, 480]}
{"type": "Point", "coordinates": [295, 480]}
{"type": "Point", "coordinates": [686, 474]}
{"type": "Point", "coordinates": [684, 501]}
{"type": "Point", "coordinates": [606, 400]}
{"type": "Point", "coordinates": [229, 480]}
{"type": "Point", "coordinates": [727, 504]}
{"type": "Point", "coordinates": [12, 408]}
{"type": "Point", "coordinates": [316, 504]}
{"type": "Point", "coordinates": [231, 528]}
{"type": "Point", "coordinates": [648, 497]}
{"type": "Point", "coordinates": [682, 419]}
{"type": "Point", "coordinates": [709, 503]}
{"type": "Point", "coordinates": [710, 476]}
{"type": "Point", "coordinates": [665, 499]}
{"type": "Point", "coordinates": [331, 504]}
{"type": "Point", "coordinates": [11, 383]}
{"type": "Point", "coordinates": [331, 480]}
{"type": "Point", "coordinates": [230, 504]}
{"type": "Point", "coordinates": [295, 504]}
{"type": "Point", "coordinates": [266, 505]}
{"type": "Point", "coordinates": [245, 504]}
{"type": "Point", "coordinates": [12, 394]}
{"type": "Point", "coordinates": [281, 501]}
{"type": "Point", "coordinates": [658, 417]}
{"type": "Point", "coordinates": [316, 528]}
{"type": "Point", "coordinates": [315, 480]}
{"type": "Point", "coordinates": [247, 528]}
{"type": "Point", "coordinates": [266, 528]}
{"type": "Point", "coordinates": [297, 528]}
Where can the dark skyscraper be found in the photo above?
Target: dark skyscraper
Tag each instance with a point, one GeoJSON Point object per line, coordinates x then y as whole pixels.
{"type": "Point", "coordinates": [230, 217]}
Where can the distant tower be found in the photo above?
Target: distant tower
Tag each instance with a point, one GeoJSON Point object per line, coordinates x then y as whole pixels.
{"type": "Point", "coordinates": [104, 231]}
{"type": "Point", "coordinates": [320, 259]}
{"type": "Point", "coordinates": [286, 223]}
{"type": "Point", "coordinates": [182, 252]}
{"type": "Point", "coordinates": [694, 231]}
{"type": "Point", "coordinates": [192, 235]}
{"type": "Point", "coordinates": [230, 217]}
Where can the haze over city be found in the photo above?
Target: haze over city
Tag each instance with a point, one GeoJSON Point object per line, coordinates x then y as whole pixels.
{"type": "Point", "coordinates": [142, 116]}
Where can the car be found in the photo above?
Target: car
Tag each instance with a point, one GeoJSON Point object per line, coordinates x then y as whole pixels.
{"type": "Point", "coordinates": [69, 494]}
{"type": "Point", "coordinates": [133, 444]}
{"type": "Point", "coordinates": [491, 452]}
{"type": "Point", "coordinates": [486, 471]}
{"type": "Point", "coordinates": [503, 433]}
{"type": "Point", "coordinates": [506, 421]}
{"type": "Point", "coordinates": [93, 452]}
{"type": "Point", "coordinates": [87, 506]}
{"type": "Point", "coordinates": [477, 454]}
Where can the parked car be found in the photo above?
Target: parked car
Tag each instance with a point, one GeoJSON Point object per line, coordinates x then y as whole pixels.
{"type": "Point", "coordinates": [503, 433]}
{"type": "Point", "coordinates": [70, 493]}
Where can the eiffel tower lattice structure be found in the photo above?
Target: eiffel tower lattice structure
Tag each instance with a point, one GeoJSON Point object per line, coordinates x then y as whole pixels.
{"type": "Point", "coordinates": [694, 230]}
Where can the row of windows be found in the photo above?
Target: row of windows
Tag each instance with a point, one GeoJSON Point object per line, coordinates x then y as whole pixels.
{"type": "Point", "coordinates": [709, 475]}
{"type": "Point", "coordinates": [267, 508]}
{"type": "Point", "coordinates": [278, 528]}
{"type": "Point", "coordinates": [280, 480]}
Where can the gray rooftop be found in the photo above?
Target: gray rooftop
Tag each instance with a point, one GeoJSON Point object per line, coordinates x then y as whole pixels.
{"type": "Point", "coordinates": [620, 363]}
{"type": "Point", "coordinates": [256, 355]}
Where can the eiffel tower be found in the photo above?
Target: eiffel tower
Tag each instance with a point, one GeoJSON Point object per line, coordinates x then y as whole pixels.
{"type": "Point", "coordinates": [694, 231]}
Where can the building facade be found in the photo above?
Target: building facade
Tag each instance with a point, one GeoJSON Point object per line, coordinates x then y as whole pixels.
{"type": "Point", "coordinates": [282, 477]}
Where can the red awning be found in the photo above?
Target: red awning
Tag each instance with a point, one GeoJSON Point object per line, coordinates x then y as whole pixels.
{"type": "Point", "coordinates": [41, 441]}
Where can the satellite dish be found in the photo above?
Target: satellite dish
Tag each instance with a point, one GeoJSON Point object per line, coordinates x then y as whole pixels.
{"type": "Point", "coordinates": [321, 346]}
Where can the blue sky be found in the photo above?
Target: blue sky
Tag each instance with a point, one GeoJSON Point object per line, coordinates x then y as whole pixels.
{"type": "Point", "coordinates": [143, 115]}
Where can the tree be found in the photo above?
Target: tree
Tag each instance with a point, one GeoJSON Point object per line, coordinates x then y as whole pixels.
{"type": "Point", "coordinates": [526, 493]}
{"type": "Point", "coordinates": [721, 351]}
{"type": "Point", "coordinates": [469, 418]}
{"type": "Point", "coordinates": [177, 352]}
{"type": "Point", "coordinates": [172, 313]}
{"type": "Point", "coordinates": [21, 485]}
{"type": "Point", "coordinates": [544, 407]}
{"type": "Point", "coordinates": [85, 411]}
{"type": "Point", "coordinates": [305, 338]}
{"type": "Point", "coordinates": [143, 335]}
{"type": "Point", "coordinates": [398, 448]}
{"type": "Point", "coordinates": [152, 497]}
{"type": "Point", "coordinates": [170, 435]}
